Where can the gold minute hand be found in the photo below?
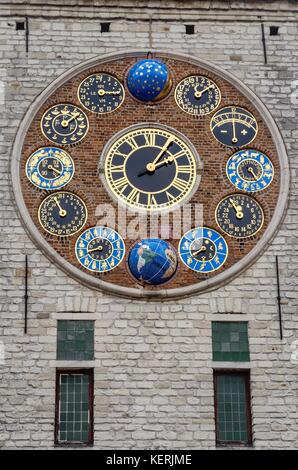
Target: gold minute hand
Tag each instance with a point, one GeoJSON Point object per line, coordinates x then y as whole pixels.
{"type": "Point", "coordinates": [62, 212]}
{"type": "Point", "coordinates": [65, 122]}
{"type": "Point", "coordinates": [199, 93]}
{"type": "Point", "coordinates": [164, 148]}
{"type": "Point", "coordinates": [238, 209]}
{"type": "Point", "coordinates": [203, 248]}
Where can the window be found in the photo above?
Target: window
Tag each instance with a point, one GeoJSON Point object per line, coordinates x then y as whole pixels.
{"type": "Point", "coordinates": [75, 340]}
{"type": "Point", "coordinates": [230, 341]}
{"type": "Point", "coordinates": [232, 408]}
{"type": "Point", "coordinates": [74, 407]}
{"type": "Point", "coordinates": [105, 27]}
{"type": "Point", "coordinates": [189, 29]}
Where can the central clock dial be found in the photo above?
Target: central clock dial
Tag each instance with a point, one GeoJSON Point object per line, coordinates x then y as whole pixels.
{"type": "Point", "coordinates": [151, 168]}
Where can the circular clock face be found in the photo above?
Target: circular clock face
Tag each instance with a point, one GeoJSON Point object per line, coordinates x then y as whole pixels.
{"type": "Point", "coordinates": [64, 124]}
{"type": "Point", "coordinates": [150, 168]}
{"type": "Point", "coordinates": [250, 170]}
{"type": "Point", "coordinates": [62, 214]}
{"type": "Point", "coordinates": [234, 126]}
{"type": "Point", "coordinates": [197, 95]}
{"type": "Point", "coordinates": [100, 249]}
{"type": "Point", "coordinates": [202, 249]}
{"type": "Point", "coordinates": [50, 168]}
{"type": "Point", "coordinates": [239, 216]}
{"type": "Point", "coordinates": [101, 93]}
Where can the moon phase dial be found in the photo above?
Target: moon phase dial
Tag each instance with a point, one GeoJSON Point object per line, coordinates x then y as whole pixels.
{"type": "Point", "coordinates": [234, 126]}
{"type": "Point", "coordinates": [101, 93]}
{"type": "Point", "coordinates": [50, 168]}
{"type": "Point", "coordinates": [250, 170]}
{"type": "Point", "coordinates": [100, 249]}
{"type": "Point", "coordinates": [64, 124]}
{"type": "Point", "coordinates": [197, 95]}
{"type": "Point", "coordinates": [62, 214]}
{"type": "Point", "coordinates": [239, 216]}
{"type": "Point", "coordinates": [203, 249]}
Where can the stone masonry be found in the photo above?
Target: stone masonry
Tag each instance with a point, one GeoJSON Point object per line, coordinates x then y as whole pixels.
{"type": "Point", "coordinates": [153, 361]}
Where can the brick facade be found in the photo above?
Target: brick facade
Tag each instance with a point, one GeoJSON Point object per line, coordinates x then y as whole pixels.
{"type": "Point", "coordinates": [153, 360]}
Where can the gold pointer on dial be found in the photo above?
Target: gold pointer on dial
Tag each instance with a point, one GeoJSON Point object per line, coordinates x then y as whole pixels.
{"type": "Point", "coordinates": [102, 92]}
{"type": "Point", "coordinates": [62, 212]}
{"type": "Point", "coordinates": [251, 170]}
{"type": "Point", "coordinates": [50, 167]}
{"type": "Point", "coordinates": [199, 93]}
{"type": "Point", "coordinates": [203, 248]}
{"type": "Point", "coordinates": [65, 122]}
{"type": "Point", "coordinates": [98, 248]}
{"type": "Point", "coordinates": [238, 209]}
{"type": "Point", "coordinates": [151, 166]}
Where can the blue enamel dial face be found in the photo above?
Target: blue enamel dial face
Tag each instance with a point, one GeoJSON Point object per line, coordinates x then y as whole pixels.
{"type": "Point", "coordinates": [202, 249]}
{"type": "Point", "coordinates": [101, 93]}
{"type": "Point", "coordinates": [64, 124]}
{"type": "Point", "coordinates": [250, 170]}
{"type": "Point", "coordinates": [234, 126]}
{"type": "Point", "coordinates": [197, 95]}
{"type": "Point", "coordinates": [50, 168]}
{"type": "Point", "coordinates": [100, 249]}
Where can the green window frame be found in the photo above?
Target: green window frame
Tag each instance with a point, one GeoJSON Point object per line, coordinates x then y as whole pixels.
{"type": "Point", "coordinates": [232, 403]}
{"type": "Point", "coordinates": [230, 341]}
{"type": "Point", "coordinates": [74, 407]}
{"type": "Point", "coordinates": [75, 340]}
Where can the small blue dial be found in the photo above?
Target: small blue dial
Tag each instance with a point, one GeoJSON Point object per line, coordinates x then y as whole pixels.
{"type": "Point", "coordinates": [100, 249]}
{"type": "Point", "coordinates": [50, 168]}
{"type": "Point", "coordinates": [250, 170]}
{"type": "Point", "coordinates": [202, 249]}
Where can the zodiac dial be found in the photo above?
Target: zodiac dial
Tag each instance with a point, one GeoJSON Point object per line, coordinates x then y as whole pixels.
{"type": "Point", "coordinates": [100, 249]}
{"type": "Point", "coordinates": [150, 168]}
{"type": "Point", "coordinates": [64, 124]}
{"type": "Point", "coordinates": [239, 215]}
{"type": "Point", "coordinates": [203, 249]}
{"type": "Point", "coordinates": [234, 126]}
{"type": "Point", "coordinates": [101, 93]}
{"type": "Point", "coordinates": [250, 170]}
{"type": "Point", "coordinates": [197, 95]}
{"type": "Point", "coordinates": [62, 214]}
{"type": "Point", "coordinates": [50, 168]}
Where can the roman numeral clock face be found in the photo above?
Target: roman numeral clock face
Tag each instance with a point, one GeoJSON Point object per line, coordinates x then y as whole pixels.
{"type": "Point", "coordinates": [150, 168]}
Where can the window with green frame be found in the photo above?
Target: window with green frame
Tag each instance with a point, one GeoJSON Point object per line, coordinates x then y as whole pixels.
{"type": "Point", "coordinates": [75, 340]}
{"type": "Point", "coordinates": [74, 407]}
{"type": "Point", "coordinates": [232, 408]}
{"type": "Point", "coordinates": [230, 341]}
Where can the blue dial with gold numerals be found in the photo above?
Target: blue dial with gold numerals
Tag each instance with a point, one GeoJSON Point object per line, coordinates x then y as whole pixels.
{"type": "Point", "coordinates": [50, 168]}
{"type": "Point", "coordinates": [100, 249]}
{"type": "Point", "coordinates": [64, 124]}
{"type": "Point", "coordinates": [197, 95]}
{"type": "Point", "coordinates": [101, 93]}
{"type": "Point", "coordinates": [234, 126]}
{"type": "Point", "coordinates": [202, 249]}
{"type": "Point", "coordinates": [250, 170]}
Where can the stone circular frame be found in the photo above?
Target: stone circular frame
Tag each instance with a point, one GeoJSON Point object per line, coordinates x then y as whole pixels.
{"type": "Point", "coordinates": [140, 292]}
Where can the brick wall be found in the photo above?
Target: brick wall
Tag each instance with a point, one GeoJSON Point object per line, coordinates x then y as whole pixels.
{"type": "Point", "coordinates": [153, 361]}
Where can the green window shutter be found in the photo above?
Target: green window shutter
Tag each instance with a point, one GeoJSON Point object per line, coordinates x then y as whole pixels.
{"type": "Point", "coordinates": [75, 340]}
{"type": "Point", "coordinates": [230, 341]}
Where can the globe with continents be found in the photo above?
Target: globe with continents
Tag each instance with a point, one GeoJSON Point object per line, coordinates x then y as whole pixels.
{"type": "Point", "coordinates": [153, 261]}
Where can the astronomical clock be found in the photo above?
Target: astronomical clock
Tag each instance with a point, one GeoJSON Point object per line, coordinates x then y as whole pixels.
{"type": "Point", "coordinates": [149, 174]}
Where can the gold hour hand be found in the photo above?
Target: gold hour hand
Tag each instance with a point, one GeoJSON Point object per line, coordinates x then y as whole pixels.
{"type": "Point", "coordinates": [66, 122]}
{"type": "Point", "coordinates": [199, 93]}
{"type": "Point", "coordinates": [50, 167]}
{"type": "Point", "coordinates": [251, 170]}
{"type": "Point", "coordinates": [203, 248]}
{"type": "Point", "coordinates": [164, 149]}
{"type": "Point", "coordinates": [98, 248]}
{"type": "Point", "coordinates": [102, 92]}
{"type": "Point", "coordinates": [62, 212]}
{"type": "Point", "coordinates": [238, 209]}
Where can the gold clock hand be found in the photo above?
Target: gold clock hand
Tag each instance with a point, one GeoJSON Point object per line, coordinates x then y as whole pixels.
{"type": "Point", "coordinates": [151, 166]}
{"type": "Point", "coordinates": [62, 212]}
{"type": "Point", "coordinates": [199, 93]}
{"type": "Point", "coordinates": [103, 92]}
{"type": "Point", "coordinates": [66, 122]}
{"type": "Point", "coordinates": [99, 248]}
{"type": "Point", "coordinates": [50, 167]}
{"type": "Point", "coordinates": [250, 170]}
{"type": "Point", "coordinates": [203, 248]}
{"type": "Point", "coordinates": [238, 209]}
{"type": "Point", "coordinates": [234, 138]}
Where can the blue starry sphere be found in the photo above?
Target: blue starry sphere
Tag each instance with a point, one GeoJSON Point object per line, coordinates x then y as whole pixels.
{"type": "Point", "coordinates": [149, 80]}
{"type": "Point", "coordinates": [153, 261]}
